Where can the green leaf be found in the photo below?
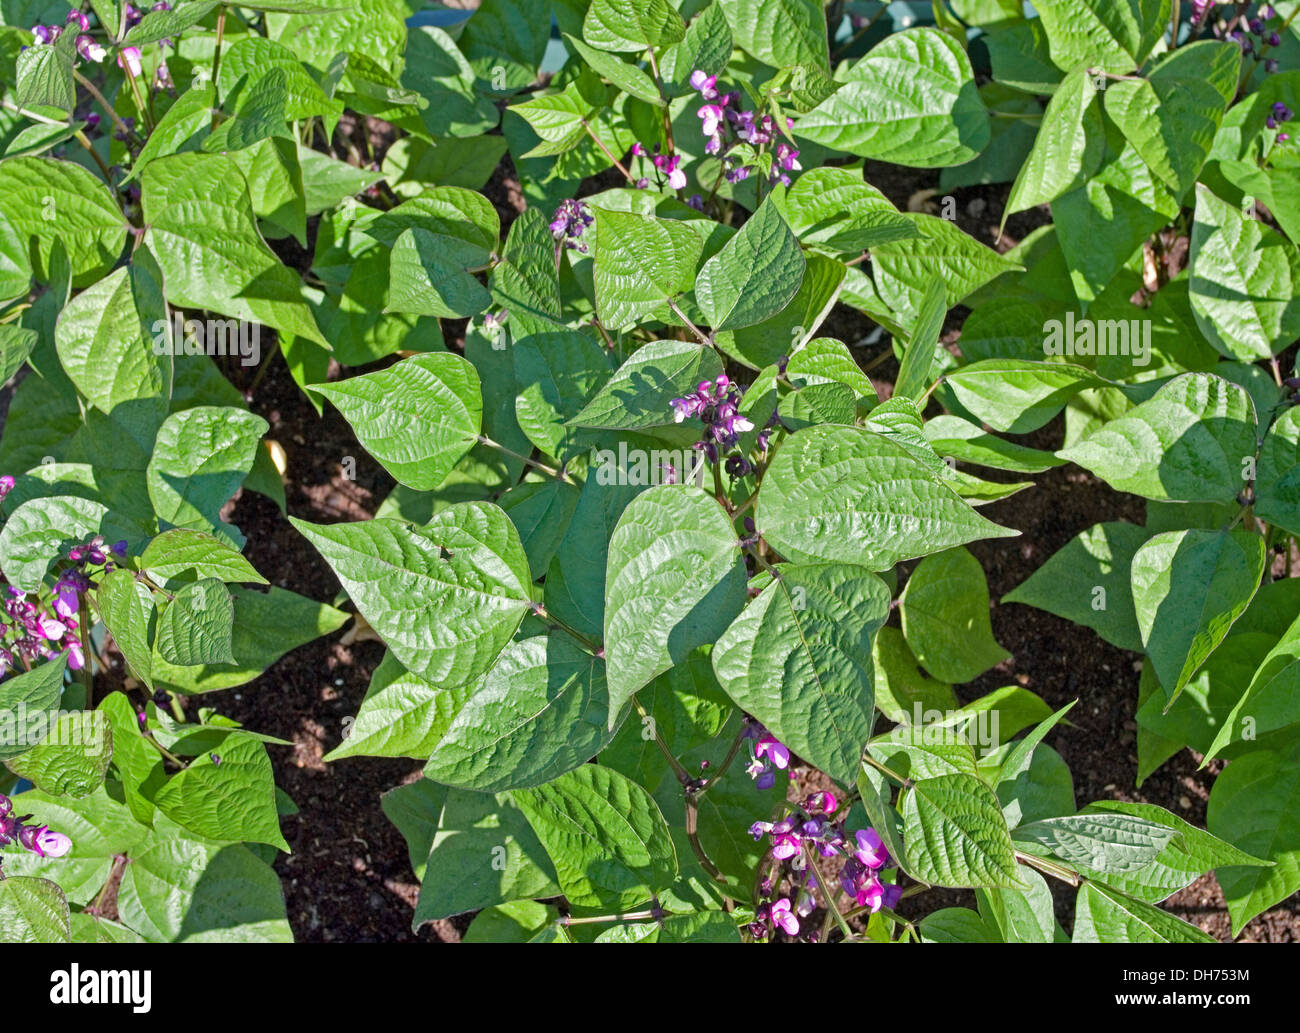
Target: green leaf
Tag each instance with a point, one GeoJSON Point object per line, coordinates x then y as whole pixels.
{"type": "Point", "coordinates": [836, 209]}
{"type": "Point", "coordinates": [755, 274]}
{"type": "Point", "coordinates": [707, 45]}
{"type": "Point", "coordinates": [911, 101]}
{"type": "Point", "coordinates": [25, 695]}
{"type": "Point", "coordinates": [1188, 589]}
{"type": "Point", "coordinates": [109, 337]}
{"type": "Point", "coordinates": [955, 835]}
{"type": "Point", "coordinates": [798, 658]}
{"type": "Point", "coordinates": [1088, 581]}
{"type": "Point", "coordinates": [184, 551]}
{"type": "Point", "coordinates": [639, 263]}
{"type": "Point", "coordinates": [72, 757]}
{"type": "Point", "coordinates": [418, 417]}
{"type": "Point", "coordinates": [1120, 843]}
{"type": "Point", "coordinates": [542, 710]}
{"type": "Point", "coordinates": [183, 889]}
{"type": "Point", "coordinates": [470, 850]}
{"type": "Point", "coordinates": [1022, 916]}
{"type": "Point", "coordinates": [1255, 806]}
{"type": "Point", "coordinates": [226, 796]}
{"type": "Point", "coordinates": [605, 835]}
{"type": "Point", "coordinates": [136, 760]}
{"type": "Point", "coordinates": [200, 458]}
{"type": "Point", "coordinates": [1189, 854]}
{"type": "Point", "coordinates": [763, 344]}
{"type": "Point", "coordinates": [203, 233]}
{"type": "Point", "coordinates": [945, 612]}
{"type": "Point", "coordinates": [33, 910]}
{"type": "Point", "coordinates": [674, 580]}
{"type": "Point", "coordinates": [964, 441]}
{"type": "Point", "coordinates": [1277, 477]}
{"type": "Point", "coordinates": [1171, 117]}
{"type": "Point", "coordinates": [556, 375]}
{"type": "Point", "coordinates": [780, 33]}
{"type": "Point", "coordinates": [126, 606]}
{"type": "Point", "coordinates": [1068, 148]}
{"type": "Point", "coordinates": [626, 77]}
{"type": "Point", "coordinates": [623, 25]}
{"type": "Point", "coordinates": [1272, 698]}
{"type": "Point", "coordinates": [40, 530]}
{"type": "Point", "coordinates": [1245, 281]}
{"type": "Point", "coordinates": [918, 358]}
{"type": "Point", "coordinates": [1016, 396]}
{"type": "Point", "coordinates": [639, 394]}
{"type": "Point", "coordinates": [1115, 36]}
{"type": "Point", "coordinates": [267, 625]}
{"type": "Point", "coordinates": [428, 279]}
{"type": "Point", "coordinates": [901, 685]}
{"type": "Point", "coordinates": [408, 581]}
{"type": "Point", "coordinates": [195, 626]}
{"type": "Point", "coordinates": [402, 715]}
{"type": "Point", "coordinates": [955, 925]}
{"type": "Point", "coordinates": [1189, 442]}
{"type": "Point", "coordinates": [43, 75]}
{"type": "Point", "coordinates": [1104, 915]}
{"type": "Point", "coordinates": [842, 494]}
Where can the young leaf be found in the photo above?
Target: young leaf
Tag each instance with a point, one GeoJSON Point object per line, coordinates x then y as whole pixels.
{"type": "Point", "coordinates": [755, 274]}
{"type": "Point", "coordinates": [955, 835]}
{"type": "Point", "coordinates": [1104, 915]}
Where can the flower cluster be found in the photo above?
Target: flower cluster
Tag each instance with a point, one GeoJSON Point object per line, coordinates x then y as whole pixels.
{"type": "Point", "coordinates": [87, 47]}
{"type": "Point", "coordinates": [1257, 36]}
{"type": "Point", "coordinates": [812, 828]}
{"type": "Point", "coordinates": [767, 753]}
{"type": "Point", "coordinates": [35, 632]}
{"type": "Point", "coordinates": [570, 220]}
{"type": "Point", "coordinates": [724, 123]}
{"type": "Point", "coordinates": [669, 165]}
{"type": "Point", "coordinates": [717, 404]}
{"type": "Point", "coordinates": [39, 839]}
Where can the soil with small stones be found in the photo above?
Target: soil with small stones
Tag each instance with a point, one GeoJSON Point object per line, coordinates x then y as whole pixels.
{"type": "Point", "coordinates": [349, 877]}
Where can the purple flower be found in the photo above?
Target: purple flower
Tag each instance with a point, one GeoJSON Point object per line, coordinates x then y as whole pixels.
{"type": "Point", "coordinates": [83, 23]}
{"type": "Point", "coordinates": [130, 60]}
{"type": "Point", "coordinates": [769, 746]}
{"type": "Point", "coordinates": [705, 84]}
{"type": "Point", "coordinates": [871, 849]}
{"type": "Point", "coordinates": [784, 918]}
{"type": "Point", "coordinates": [89, 49]}
{"type": "Point", "coordinates": [6, 485]}
{"type": "Point", "coordinates": [42, 841]}
{"type": "Point", "coordinates": [712, 117]}
{"type": "Point", "coordinates": [571, 218]}
{"type": "Point", "coordinates": [46, 34]}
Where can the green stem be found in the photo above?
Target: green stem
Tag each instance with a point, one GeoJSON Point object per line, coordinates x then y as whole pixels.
{"type": "Point", "coordinates": [87, 676]}
{"type": "Point", "coordinates": [559, 475]}
{"type": "Point", "coordinates": [216, 63]}
{"type": "Point", "coordinates": [1042, 864]}
{"type": "Point", "coordinates": [906, 783]}
{"type": "Point", "coordinates": [828, 892]}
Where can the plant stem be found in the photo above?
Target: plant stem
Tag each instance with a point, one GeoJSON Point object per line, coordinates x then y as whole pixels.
{"type": "Point", "coordinates": [906, 783]}
{"type": "Point", "coordinates": [683, 776]}
{"type": "Point", "coordinates": [116, 119]}
{"type": "Point", "coordinates": [700, 334]}
{"type": "Point", "coordinates": [716, 776]}
{"type": "Point", "coordinates": [1047, 867]}
{"type": "Point", "coordinates": [827, 891]}
{"type": "Point", "coordinates": [216, 64]}
{"type": "Point", "coordinates": [559, 475]}
{"type": "Point", "coordinates": [87, 676]}
{"type": "Point", "coordinates": [541, 613]}
{"type": "Point", "coordinates": [599, 143]}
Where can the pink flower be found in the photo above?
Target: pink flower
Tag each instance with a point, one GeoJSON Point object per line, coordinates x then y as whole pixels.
{"type": "Point", "coordinates": [713, 117]}
{"type": "Point", "coordinates": [47, 627]}
{"type": "Point", "coordinates": [39, 839]}
{"type": "Point", "coordinates": [706, 84]}
{"type": "Point", "coordinates": [871, 849]}
{"type": "Point", "coordinates": [784, 917]}
{"type": "Point", "coordinates": [129, 58]}
{"type": "Point", "coordinates": [776, 751]}
{"type": "Point", "coordinates": [76, 658]}
{"type": "Point", "coordinates": [89, 49]}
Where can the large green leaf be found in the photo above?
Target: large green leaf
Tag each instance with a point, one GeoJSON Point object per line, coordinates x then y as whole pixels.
{"type": "Point", "coordinates": [1067, 149]}
{"type": "Point", "coordinates": [674, 580]}
{"type": "Point", "coordinates": [445, 597]}
{"type": "Point", "coordinates": [33, 910]}
{"type": "Point", "coordinates": [203, 233]}
{"type": "Point", "coordinates": [1104, 915]}
{"type": "Point", "coordinates": [542, 710]}
{"type": "Point", "coordinates": [1115, 35]}
{"type": "Point", "coordinates": [1277, 478]}
{"type": "Point", "coordinates": [622, 25]}
{"type": "Point", "coordinates": [912, 101]}
{"type": "Point", "coordinates": [640, 393]}
{"type": "Point", "coordinates": [228, 795]}
{"type": "Point", "coordinates": [1120, 843]}
{"type": "Point", "coordinates": [1255, 805]}
{"type": "Point", "coordinates": [1245, 281]}
{"type": "Point", "coordinates": [73, 756]}
{"type": "Point", "coordinates": [843, 494]}
{"type": "Point", "coordinates": [417, 417]}
{"type": "Point", "coordinates": [955, 835]}
{"type": "Point", "coordinates": [945, 612]}
{"type": "Point", "coordinates": [1272, 697]}
{"type": "Point", "coordinates": [798, 658]}
{"type": "Point", "coordinates": [605, 835]}
{"type": "Point", "coordinates": [755, 274]}
{"type": "Point", "coordinates": [1188, 588]}
{"type": "Point", "coordinates": [1190, 442]}
{"type": "Point", "coordinates": [1016, 395]}
{"type": "Point", "coordinates": [41, 530]}
{"type": "Point", "coordinates": [639, 263]}
{"type": "Point", "coordinates": [780, 32]}
{"type": "Point", "coordinates": [200, 458]}
{"type": "Point", "coordinates": [23, 696]}
{"type": "Point", "coordinates": [196, 624]}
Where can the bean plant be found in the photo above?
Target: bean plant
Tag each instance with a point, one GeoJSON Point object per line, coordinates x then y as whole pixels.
{"type": "Point", "coordinates": [678, 603]}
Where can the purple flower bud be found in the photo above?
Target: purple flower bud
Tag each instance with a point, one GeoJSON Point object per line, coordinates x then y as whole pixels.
{"type": "Point", "coordinates": [6, 485]}
{"type": "Point", "coordinates": [83, 23]}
